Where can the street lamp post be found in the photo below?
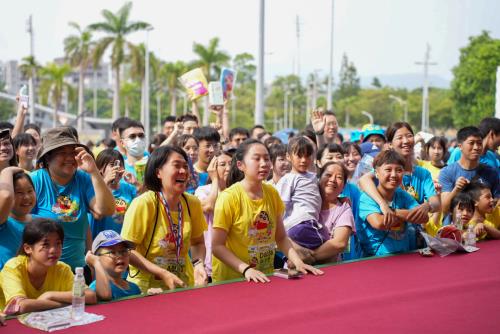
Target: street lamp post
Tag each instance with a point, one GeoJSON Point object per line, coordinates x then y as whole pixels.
{"type": "Point", "coordinates": [259, 96]}
{"type": "Point", "coordinates": [330, 75]}
{"type": "Point", "coordinates": [402, 103]}
{"type": "Point", "coordinates": [147, 126]}
{"type": "Point", "coordinates": [367, 114]}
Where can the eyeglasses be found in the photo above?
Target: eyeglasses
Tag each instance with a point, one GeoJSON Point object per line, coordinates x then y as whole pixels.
{"type": "Point", "coordinates": [116, 254]}
{"type": "Point", "coordinates": [136, 135]}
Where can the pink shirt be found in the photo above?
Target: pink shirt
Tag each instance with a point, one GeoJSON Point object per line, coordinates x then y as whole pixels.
{"type": "Point", "coordinates": [338, 216]}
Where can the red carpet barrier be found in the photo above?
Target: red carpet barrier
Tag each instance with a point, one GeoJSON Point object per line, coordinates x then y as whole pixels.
{"type": "Point", "coordinates": [398, 294]}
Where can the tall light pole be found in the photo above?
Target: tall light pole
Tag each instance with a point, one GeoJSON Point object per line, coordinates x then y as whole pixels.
{"type": "Point", "coordinates": [367, 114]}
{"type": "Point", "coordinates": [402, 103]}
{"type": "Point", "coordinates": [147, 126]}
{"type": "Point", "coordinates": [31, 82]}
{"type": "Point", "coordinates": [330, 75]}
{"type": "Point", "coordinates": [425, 89]}
{"type": "Point", "coordinates": [259, 96]}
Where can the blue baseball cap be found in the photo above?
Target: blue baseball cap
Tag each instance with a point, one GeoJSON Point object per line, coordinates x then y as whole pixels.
{"type": "Point", "coordinates": [110, 238]}
{"type": "Point", "coordinates": [373, 129]}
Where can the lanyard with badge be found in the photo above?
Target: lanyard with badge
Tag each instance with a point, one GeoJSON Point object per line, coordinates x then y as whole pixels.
{"type": "Point", "coordinates": [176, 230]}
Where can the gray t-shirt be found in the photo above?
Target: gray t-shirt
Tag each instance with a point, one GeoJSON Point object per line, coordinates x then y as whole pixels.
{"type": "Point", "coordinates": [300, 193]}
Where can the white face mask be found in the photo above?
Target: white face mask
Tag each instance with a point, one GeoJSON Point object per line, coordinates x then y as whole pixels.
{"type": "Point", "coordinates": [136, 147]}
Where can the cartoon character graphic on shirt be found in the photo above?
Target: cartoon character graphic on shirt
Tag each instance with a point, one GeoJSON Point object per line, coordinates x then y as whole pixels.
{"type": "Point", "coordinates": [66, 209]}
{"type": "Point", "coordinates": [169, 259]}
{"type": "Point", "coordinates": [261, 249]}
{"type": "Point", "coordinates": [121, 207]}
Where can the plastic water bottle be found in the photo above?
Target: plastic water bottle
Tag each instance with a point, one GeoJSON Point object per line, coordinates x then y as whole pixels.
{"type": "Point", "coordinates": [23, 96]}
{"type": "Point", "coordinates": [78, 302]}
{"type": "Point", "coordinates": [458, 222]}
{"type": "Point", "coordinates": [470, 236]}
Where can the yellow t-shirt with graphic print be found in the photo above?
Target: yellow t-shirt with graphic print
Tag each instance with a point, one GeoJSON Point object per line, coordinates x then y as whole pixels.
{"type": "Point", "coordinates": [15, 281]}
{"type": "Point", "coordinates": [138, 227]}
{"type": "Point", "coordinates": [491, 220]}
{"type": "Point", "coordinates": [250, 226]}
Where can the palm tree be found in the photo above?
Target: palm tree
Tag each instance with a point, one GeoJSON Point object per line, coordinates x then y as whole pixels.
{"type": "Point", "coordinates": [29, 69]}
{"type": "Point", "coordinates": [129, 90]}
{"type": "Point", "coordinates": [53, 85]}
{"type": "Point", "coordinates": [117, 26]}
{"type": "Point", "coordinates": [170, 73]}
{"type": "Point", "coordinates": [211, 58]}
{"type": "Point", "coordinates": [78, 50]}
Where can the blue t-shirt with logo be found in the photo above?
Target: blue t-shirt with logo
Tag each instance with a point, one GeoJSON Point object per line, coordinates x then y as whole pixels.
{"type": "Point", "coordinates": [380, 242]}
{"type": "Point", "coordinates": [11, 234]}
{"type": "Point", "coordinates": [67, 205]}
{"type": "Point", "coordinates": [117, 292]}
{"type": "Point", "coordinates": [123, 197]}
{"type": "Point", "coordinates": [482, 173]}
{"type": "Point", "coordinates": [489, 158]}
{"type": "Point", "coordinates": [353, 193]}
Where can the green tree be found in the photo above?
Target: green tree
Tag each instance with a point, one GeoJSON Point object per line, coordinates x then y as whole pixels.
{"type": "Point", "coordinates": [376, 83]}
{"type": "Point", "coordinates": [210, 60]}
{"type": "Point", "coordinates": [7, 108]}
{"type": "Point", "coordinates": [473, 86]}
{"type": "Point", "coordinates": [170, 73]}
{"type": "Point", "coordinates": [117, 27]}
{"type": "Point", "coordinates": [53, 85]}
{"type": "Point", "coordinates": [78, 50]}
{"type": "Point", "coordinates": [348, 79]}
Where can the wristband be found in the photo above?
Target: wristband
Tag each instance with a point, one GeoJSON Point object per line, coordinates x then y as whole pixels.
{"type": "Point", "coordinates": [244, 271]}
{"type": "Point", "coordinates": [322, 132]}
{"type": "Point", "coordinates": [195, 262]}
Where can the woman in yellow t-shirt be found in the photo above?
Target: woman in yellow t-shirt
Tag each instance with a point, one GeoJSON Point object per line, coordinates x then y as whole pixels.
{"type": "Point", "coordinates": [166, 224]}
{"type": "Point", "coordinates": [248, 221]}
{"type": "Point", "coordinates": [35, 280]}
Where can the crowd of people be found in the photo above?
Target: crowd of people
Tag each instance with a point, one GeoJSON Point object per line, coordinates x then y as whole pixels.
{"type": "Point", "coordinates": [203, 204]}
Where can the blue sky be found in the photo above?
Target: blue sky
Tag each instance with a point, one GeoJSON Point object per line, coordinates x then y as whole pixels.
{"type": "Point", "coordinates": [379, 36]}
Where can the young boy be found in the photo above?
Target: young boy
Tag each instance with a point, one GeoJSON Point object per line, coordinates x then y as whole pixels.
{"type": "Point", "coordinates": [110, 259]}
{"type": "Point", "coordinates": [486, 219]}
{"type": "Point", "coordinates": [208, 147]}
{"type": "Point", "coordinates": [281, 166]}
{"type": "Point", "coordinates": [300, 194]}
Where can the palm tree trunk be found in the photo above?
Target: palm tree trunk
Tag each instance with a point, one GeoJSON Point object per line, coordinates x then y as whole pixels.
{"type": "Point", "coordinates": [56, 108]}
{"type": "Point", "coordinates": [173, 104]}
{"type": "Point", "coordinates": [80, 99]}
{"type": "Point", "coordinates": [127, 107]}
{"type": "Point", "coordinates": [116, 94]}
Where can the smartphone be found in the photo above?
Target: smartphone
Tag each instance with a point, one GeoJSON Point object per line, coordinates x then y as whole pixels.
{"type": "Point", "coordinates": [287, 273]}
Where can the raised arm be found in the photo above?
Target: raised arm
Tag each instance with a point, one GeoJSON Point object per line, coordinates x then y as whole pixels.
{"type": "Point", "coordinates": [7, 192]}
{"type": "Point", "coordinates": [21, 116]}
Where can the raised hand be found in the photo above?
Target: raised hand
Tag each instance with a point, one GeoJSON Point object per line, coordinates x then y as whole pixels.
{"type": "Point", "coordinates": [318, 120]}
{"type": "Point", "coordinates": [85, 161]}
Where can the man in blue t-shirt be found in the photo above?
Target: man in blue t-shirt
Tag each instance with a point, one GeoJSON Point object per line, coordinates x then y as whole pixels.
{"type": "Point", "coordinates": [454, 177]}
{"type": "Point", "coordinates": [67, 186]}
{"type": "Point", "coordinates": [490, 129]}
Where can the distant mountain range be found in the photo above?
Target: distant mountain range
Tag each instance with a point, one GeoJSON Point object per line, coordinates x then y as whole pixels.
{"type": "Point", "coordinates": [409, 80]}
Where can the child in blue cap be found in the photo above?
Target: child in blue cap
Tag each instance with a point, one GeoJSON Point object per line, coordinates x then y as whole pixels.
{"type": "Point", "coordinates": [110, 258]}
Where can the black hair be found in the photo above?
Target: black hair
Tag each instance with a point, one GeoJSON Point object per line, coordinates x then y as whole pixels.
{"type": "Point", "coordinates": [388, 157]}
{"type": "Point", "coordinates": [187, 117]}
{"type": "Point", "coordinates": [347, 146]}
{"type": "Point", "coordinates": [23, 139]}
{"type": "Point", "coordinates": [130, 124]}
{"type": "Point", "coordinates": [330, 148]}
{"type": "Point", "coordinates": [468, 131]}
{"type": "Point", "coordinates": [235, 174]}
{"type": "Point", "coordinates": [109, 143]}
{"type": "Point", "coordinates": [207, 133]}
{"type": "Point", "coordinates": [474, 189]}
{"type": "Point", "coordinates": [271, 141]}
{"type": "Point", "coordinates": [6, 125]}
{"type": "Point", "coordinates": [169, 119]}
{"type": "Point", "coordinates": [22, 175]}
{"type": "Point", "coordinates": [277, 150]}
{"type": "Point", "coordinates": [38, 229]}
{"type": "Point", "coordinates": [300, 146]}
{"type": "Point", "coordinates": [108, 156]}
{"type": "Point", "coordinates": [119, 123]}
{"type": "Point", "coordinates": [238, 131]}
{"type": "Point", "coordinates": [436, 139]}
{"type": "Point", "coordinates": [262, 135]}
{"type": "Point", "coordinates": [489, 124]}
{"type": "Point", "coordinates": [323, 169]}
{"type": "Point", "coordinates": [463, 200]}
{"type": "Point", "coordinates": [330, 112]}
{"type": "Point", "coordinates": [258, 126]}
{"type": "Point", "coordinates": [157, 159]}
{"type": "Point", "coordinates": [156, 142]}
{"type": "Point", "coordinates": [181, 140]}
{"type": "Point", "coordinates": [394, 127]}
{"type": "Point", "coordinates": [34, 127]}
{"type": "Point", "coordinates": [340, 137]}
{"type": "Point", "coordinates": [309, 134]}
